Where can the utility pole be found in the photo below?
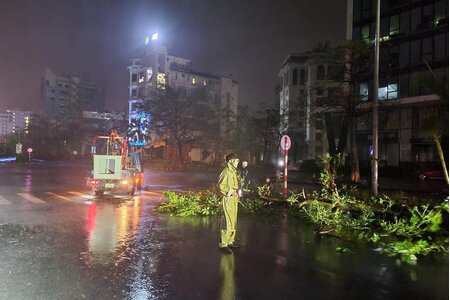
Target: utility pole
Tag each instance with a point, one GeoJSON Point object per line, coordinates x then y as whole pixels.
{"type": "Point", "coordinates": [376, 104]}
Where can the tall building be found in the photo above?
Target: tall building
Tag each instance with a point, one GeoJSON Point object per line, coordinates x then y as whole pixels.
{"type": "Point", "coordinates": [154, 68]}
{"type": "Point", "coordinates": [60, 92]}
{"type": "Point", "coordinates": [14, 122]}
{"type": "Point", "coordinates": [5, 125]}
{"type": "Point", "coordinates": [307, 82]}
{"type": "Point", "coordinates": [413, 53]}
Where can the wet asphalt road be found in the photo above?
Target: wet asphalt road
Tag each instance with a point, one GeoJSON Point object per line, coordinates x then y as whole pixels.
{"type": "Point", "coordinates": [58, 242]}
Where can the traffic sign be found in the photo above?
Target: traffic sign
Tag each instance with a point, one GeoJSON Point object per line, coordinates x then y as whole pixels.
{"type": "Point", "coordinates": [285, 142]}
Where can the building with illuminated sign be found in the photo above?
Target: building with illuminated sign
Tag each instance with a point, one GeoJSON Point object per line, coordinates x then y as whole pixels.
{"type": "Point", "coordinates": [14, 122]}
{"type": "Point", "coordinates": [154, 68]}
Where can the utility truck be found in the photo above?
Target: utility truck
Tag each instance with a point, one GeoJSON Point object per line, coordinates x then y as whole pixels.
{"type": "Point", "coordinates": [116, 167]}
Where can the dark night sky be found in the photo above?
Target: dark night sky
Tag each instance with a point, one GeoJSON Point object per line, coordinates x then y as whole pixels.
{"type": "Point", "coordinates": [96, 39]}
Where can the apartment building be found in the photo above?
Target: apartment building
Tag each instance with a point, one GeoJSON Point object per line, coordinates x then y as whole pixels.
{"type": "Point", "coordinates": [413, 61]}
{"type": "Point", "coordinates": [308, 80]}
{"type": "Point", "coordinates": [59, 93]}
{"type": "Point", "coordinates": [14, 122]}
{"type": "Point", "coordinates": [154, 68]}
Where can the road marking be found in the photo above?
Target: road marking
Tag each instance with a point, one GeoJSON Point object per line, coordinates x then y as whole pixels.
{"type": "Point", "coordinates": [31, 198]}
{"type": "Point", "coordinates": [90, 197]}
{"type": "Point", "coordinates": [3, 201]}
{"type": "Point", "coordinates": [58, 196]}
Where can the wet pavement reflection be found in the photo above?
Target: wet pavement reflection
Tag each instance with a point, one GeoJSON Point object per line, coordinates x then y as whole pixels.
{"type": "Point", "coordinates": [163, 257]}
{"type": "Point", "coordinates": [121, 248]}
{"type": "Point", "coordinates": [111, 229]}
{"type": "Point", "coordinates": [131, 252]}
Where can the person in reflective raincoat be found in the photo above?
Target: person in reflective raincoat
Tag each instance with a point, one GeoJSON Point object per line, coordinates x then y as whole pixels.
{"type": "Point", "coordinates": [228, 185]}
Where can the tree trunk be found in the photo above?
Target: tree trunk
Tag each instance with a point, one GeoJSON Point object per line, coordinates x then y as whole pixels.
{"type": "Point", "coordinates": [441, 156]}
{"type": "Point", "coordinates": [265, 148]}
{"type": "Point", "coordinates": [180, 152]}
{"type": "Point", "coordinates": [330, 135]}
{"type": "Point", "coordinates": [343, 134]}
{"type": "Point", "coordinates": [355, 175]}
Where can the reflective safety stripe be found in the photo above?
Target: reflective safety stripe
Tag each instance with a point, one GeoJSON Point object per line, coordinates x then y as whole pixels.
{"type": "Point", "coordinates": [31, 198]}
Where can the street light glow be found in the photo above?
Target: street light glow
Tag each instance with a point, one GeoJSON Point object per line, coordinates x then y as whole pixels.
{"type": "Point", "coordinates": [153, 38]}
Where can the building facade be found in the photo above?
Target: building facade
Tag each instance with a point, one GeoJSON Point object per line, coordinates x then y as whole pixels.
{"type": "Point", "coordinates": [413, 65]}
{"type": "Point", "coordinates": [14, 122]}
{"type": "Point", "coordinates": [154, 68]}
{"type": "Point", "coordinates": [413, 61]}
{"type": "Point", "coordinates": [59, 93]}
{"type": "Point", "coordinates": [306, 86]}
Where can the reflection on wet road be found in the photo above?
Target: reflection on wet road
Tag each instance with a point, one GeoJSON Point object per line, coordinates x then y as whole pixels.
{"type": "Point", "coordinates": [228, 288]}
{"type": "Point", "coordinates": [110, 230]}
{"type": "Point", "coordinates": [75, 246]}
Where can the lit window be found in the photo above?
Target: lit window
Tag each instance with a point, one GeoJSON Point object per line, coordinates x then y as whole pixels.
{"type": "Point", "coordinates": [161, 81]}
{"type": "Point", "coordinates": [392, 91]}
{"type": "Point", "coordinates": [141, 77]}
{"type": "Point", "coordinates": [394, 25]}
{"type": "Point", "coordinates": [388, 92]}
{"type": "Point", "coordinates": [149, 74]}
{"type": "Point", "coordinates": [365, 33]}
{"type": "Point", "coordinates": [364, 91]}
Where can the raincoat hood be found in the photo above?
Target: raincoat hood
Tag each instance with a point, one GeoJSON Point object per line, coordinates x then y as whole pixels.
{"type": "Point", "coordinates": [232, 164]}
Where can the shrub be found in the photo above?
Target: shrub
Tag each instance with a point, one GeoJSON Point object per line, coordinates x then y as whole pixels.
{"type": "Point", "coordinates": [203, 203]}
{"type": "Point", "coordinates": [400, 225]}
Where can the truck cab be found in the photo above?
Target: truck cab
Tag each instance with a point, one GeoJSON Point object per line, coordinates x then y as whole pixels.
{"type": "Point", "coordinates": [116, 168]}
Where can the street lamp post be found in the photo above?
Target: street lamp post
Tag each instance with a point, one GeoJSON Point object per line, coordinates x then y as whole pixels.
{"type": "Point", "coordinates": [376, 103]}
